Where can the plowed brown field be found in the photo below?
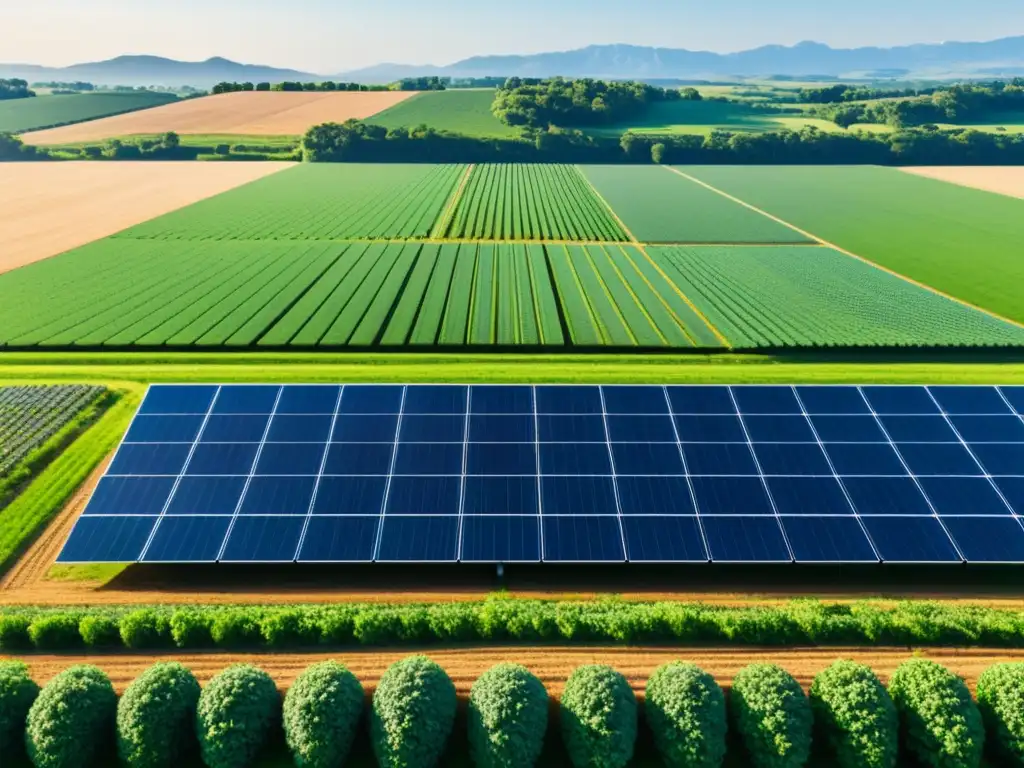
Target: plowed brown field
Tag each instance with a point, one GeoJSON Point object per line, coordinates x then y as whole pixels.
{"type": "Point", "coordinates": [1006, 180]}
{"type": "Point", "coordinates": [247, 114]}
{"type": "Point", "coordinates": [49, 208]}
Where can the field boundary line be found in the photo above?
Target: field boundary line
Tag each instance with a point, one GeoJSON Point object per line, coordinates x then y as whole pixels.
{"type": "Point", "coordinates": [621, 223]}
{"type": "Point", "coordinates": [851, 254]}
{"type": "Point", "coordinates": [442, 225]}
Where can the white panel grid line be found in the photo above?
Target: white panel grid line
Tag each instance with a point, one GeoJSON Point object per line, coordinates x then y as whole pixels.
{"type": "Point", "coordinates": [390, 475]}
{"type": "Point", "coordinates": [319, 475]}
{"type": "Point", "coordinates": [686, 472]}
{"type": "Point", "coordinates": [615, 484]}
{"type": "Point", "coordinates": [1005, 399]}
{"type": "Point", "coordinates": [540, 502]}
{"type": "Point", "coordinates": [252, 473]}
{"type": "Point", "coordinates": [462, 480]}
{"type": "Point", "coordinates": [760, 471]}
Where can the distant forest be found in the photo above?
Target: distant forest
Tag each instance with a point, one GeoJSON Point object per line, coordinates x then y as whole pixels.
{"type": "Point", "coordinates": [15, 89]}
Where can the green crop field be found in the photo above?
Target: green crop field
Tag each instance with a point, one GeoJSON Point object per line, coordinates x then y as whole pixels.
{"type": "Point", "coordinates": [531, 202]}
{"type": "Point", "coordinates": [815, 296]}
{"type": "Point", "coordinates": [317, 202]}
{"type": "Point", "coordinates": [21, 115]}
{"type": "Point", "coordinates": [659, 206]}
{"type": "Point", "coordinates": [961, 241]}
{"type": "Point", "coordinates": [465, 111]}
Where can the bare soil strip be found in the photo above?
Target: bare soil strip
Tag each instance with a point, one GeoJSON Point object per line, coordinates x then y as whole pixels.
{"type": "Point", "coordinates": [49, 208]}
{"type": "Point", "coordinates": [551, 664]}
{"type": "Point", "coordinates": [247, 113]}
{"type": "Point", "coordinates": [1003, 180]}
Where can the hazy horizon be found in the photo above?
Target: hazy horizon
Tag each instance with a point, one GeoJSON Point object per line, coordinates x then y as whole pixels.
{"type": "Point", "coordinates": [328, 37]}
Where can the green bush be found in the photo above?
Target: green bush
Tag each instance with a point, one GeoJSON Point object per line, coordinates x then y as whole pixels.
{"type": "Point", "coordinates": [1001, 701]}
{"type": "Point", "coordinates": [288, 628]}
{"type": "Point", "coordinates": [14, 632]}
{"type": "Point", "coordinates": [72, 720]}
{"type": "Point", "coordinates": [156, 717]}
{"type": "Point", "coordinates": [235, 628]}
{"type": "Point", "coordinates": [54, 632]}
{"type": "Point", "coordinates": [321, 713]}
{"type": "Point", "coordinates": [508, 717]}
{"type": "Point", "coordinates": [685, 710]}
{"type": "Point", "coordinates": [17, 692]}
{"type": "Point", "coordinates": [772, 717]}
{"type": "Point", "coordinates": [939, 723]}
{"type": "Point", "coordinates": [854, 716]}
{"type": "Point", "coordinates": [190, 628]}
{"type": "Point", "coordinates": [599, 718]}
{"type": "Point", "coordinates": [99, 632]}
{"type": "Point", "coordinates": [145, 628]}
{"type": "Point", "coordinates": [412, 715]}
{"type": "Point", "coordinates": [236, 712]}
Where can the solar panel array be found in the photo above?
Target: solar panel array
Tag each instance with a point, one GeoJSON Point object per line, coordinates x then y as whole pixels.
{"type": "Point", "coordinates": [563, 473]}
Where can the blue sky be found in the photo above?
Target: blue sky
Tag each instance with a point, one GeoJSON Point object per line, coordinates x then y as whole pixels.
{"type": "Point", "coordinates": [330, 36]}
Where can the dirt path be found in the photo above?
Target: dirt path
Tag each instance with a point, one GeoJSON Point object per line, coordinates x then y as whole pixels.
{"type": "Point", "coordinates": [49, 208]}
{"type": "Point", "coordinates": [551, 664]}
{"type": "Point", "coordinates": [1005, 180]}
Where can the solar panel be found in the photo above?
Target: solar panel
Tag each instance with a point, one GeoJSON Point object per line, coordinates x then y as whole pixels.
{"type": "Point", "coordinates": [563, 474]}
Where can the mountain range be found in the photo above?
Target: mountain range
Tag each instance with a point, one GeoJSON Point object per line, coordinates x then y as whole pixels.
{"type": "Point", "coordinates": [1004, 57]}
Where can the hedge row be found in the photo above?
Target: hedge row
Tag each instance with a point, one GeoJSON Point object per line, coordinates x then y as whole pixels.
{"type": "Point", "coordinates": [164, 719]}
{"type": "Point", "coordinates": [500, 619]}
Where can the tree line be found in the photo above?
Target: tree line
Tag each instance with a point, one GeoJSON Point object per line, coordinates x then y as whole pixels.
{"type": "Point", "coordinates": [409, 84]}
{"type": "Point", "coordinates": [834, 94]}
{"type": "Point", "coordinates": [15, 89]}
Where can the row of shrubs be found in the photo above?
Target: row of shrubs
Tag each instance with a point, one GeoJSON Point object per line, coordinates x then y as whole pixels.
{"type": "Point", "coordinates": [164, 718]}
{"type": "Point", "coordinates": [503, 619]}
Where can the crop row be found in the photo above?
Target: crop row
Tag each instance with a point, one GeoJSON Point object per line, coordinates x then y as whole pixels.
{"type": "Point", "coordinates": [848, 719]}
{"type": "Point", "coordinates": [531, 202]}
{"type": "Point", "coordinates": [815, 296]}
{"type": "Point", "coordinates": [31, 415]}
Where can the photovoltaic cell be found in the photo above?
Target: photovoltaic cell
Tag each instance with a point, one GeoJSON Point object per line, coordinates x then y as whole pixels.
{"type": "Point", "coordinates": [911, 540]}
{"type": "Point", "coordinates": [190, 539]}
{"type": "Point", "coordinates": [419, 539]}
{"type": "Point", "coordinates": [107, 540]}
{"type": "Point", "coordinates": [828, 540]}
{"type": "Point", "coordinates": [130, 496]}
{"type": "Point", "coordinates": [340, 540]}
{"type": "Point", "coordinates": [745, 539]}
{"type": "Point", "coordinates": [832, 401]}
{"type": "Point", "coordinates": [900, 400]}
{"type": "Point", "coordinates": [964, 400]}
{"type": "Point", "coordinates": [583, 539]}
{"type": "Point", "coordinates": [178, 399]}
{"type": "Point", "coordinates": [263, 539]}
{"type": "Point", "coordinates": [988, 539]}
{"type": "Point", "coordinates": [500, 539]}
{"type": "Point", "coordinates": [164, 429]}
{"type": "Point", "coordinates": [664, 540]}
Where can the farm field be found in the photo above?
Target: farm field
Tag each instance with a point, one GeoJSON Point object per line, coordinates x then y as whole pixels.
{"type": "Point", "coordinates": [1004, 180]}
{"type": "Point", "coordinates": [96, 200]}
{"type": "Point", "coordinates": [961, 241]}
{"type": "Point", "coordinates": [21, 115]}
{"type": "Point", "coordinates": [31, 415]}
{"type": "Point", "coordinates": [700, 118]}
{"type": "Point", "coordinates": [243, 113]}
{"type": "Point", "coordinates": [658, 206]}
{"type": "Point", "coordinates": [530, 202]}
{"type": "Point", "coordinates": [461, 110]}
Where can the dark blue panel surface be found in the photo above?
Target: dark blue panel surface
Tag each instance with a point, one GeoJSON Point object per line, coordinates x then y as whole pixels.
{"type": "Point", "coordinates": [886, 496]}
{"type": "Point", "coordinates": [290, 459]}
{"type": "Point", "coordinates": [848, 429]}
{"type": "Point", "coordinates": [779, 429]}
{"type": "Point", "coordinates": [501, 429]}
{"type": "Point", "coordinates": [571, 429]}
{"type": "Point", "coordinates": [701, 400]}
{"type": "Point", "coordinates": [575, 459]}
{"type": "Point", "coordinates": [1015, 396]}
{"type": "Point", "coordinates": [501, 459]}
{"type": "Point", "coordinates": [340, 540]}
{"type": "Point", "coordinates": [664, 540]}
{"type": "Point", "coordinates": [424, 496]}
{"type": "Point", "coordinates": [313, 398]}
{"type": "Point", "coordinates": [1000, 459]}
{"type": "Point", "coordinates": [568, 399]}
{"type": "Point", "coordinates": [164, 429]}
{"type": "Point", "coordinates": [641, 429]}
{"type": "Point", "coordinates": [578, 496]}
{"type": "Point", "coordinates": [582, 540]}
{"type": "Point", "coordinates": [864, 459]}
{"type": "Point", "coordinates": [655, 496]}
{"type": "Point", "coordinates": [350, 496]}
{"type": "Point", "coordinates": [500, 496]}
{"type": "Point", "coordinates": [365, 429]}
{"type": "Point", "coordinates": [107, 540]}
{"type": "Point", "coordinates": [938, 459]}
{"type": "Point", "coordinates": [987, 539]}
{"type": "Point", "coordinates": [900, 400]}
{"type": "Point", "coordinates": [263, 539]}
{"type": "Point", "coordinates": [731, 496]}
{"type": "Point", "coordinates": [745, 539]}
{"type": "Point", "coordinates": [433, 429]}
{"type": "Point", "coordinates": [719, 459]}
{"type": "Point", "coordinates": [494, 539]}
{"type": "Point", "coordinates": [1012, 489]}
{"type": "Point", "coordinates": [501, 399]}
{"type": "Point", "coordinates": [429, 459]}
{"type": "Point", "coordinates": [436, 399]}
{"type": "Point", "coordinates": [989, 429]}
{"type": "Point", "coordinates": [130, 496]}
{"type": "Point", "coordinates": [222, 459]}
{"type": "Point", "coordinates": [149, 459]}
{"type": "Point", "coordinates": [177, 398]}
{"type": "Point", "coordinates": [792, 459]}
{"type": "Point", "coordinates": [828, 540]}
{"type": "Point", "coordinates": [911, 540]}
{"type": "Point", "coordinates": [358, 459]}
{"type": "Point", "coordinates": [235, 429]}
{"type": "Point", "coordinates": [767, 399]}
{"type": "Point", "coordinates": [187, 540]}
{"type": "Point", "coordinates": [647, 459]}
{"type": "Point", "coordinates": [963, 496]}
{"type": "Point", "coordinates": [919, 429]}
{"type": "Point", "coordinates": [808, 496]}
{"type": "Point", "coordinates": [371, 398]}
{"type": "Point", "coordinates": [278, 496]}
{"type": "Point", "coordinates": [710, 429]}
{"type": "Point", "coordinates": [832, 400]}
{"type": "Point", "coordinates": [634, 399]}
{"type": "Point", "coordinates": [299, 429]}
{"type": "Point", "coordinates": [244, 398]}
{"type": "Point", "coordinates": [963, 400]}
{"type": "Point", "coordinates": [419, 539]}
{"type": "Point", "coordinates": [207, 496]}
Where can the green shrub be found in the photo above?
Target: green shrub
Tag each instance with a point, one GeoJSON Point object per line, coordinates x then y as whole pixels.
{"type": "Point", "coordinates": [190, 628]}
{"type": "Point", "coordinates": [599, 718]}
{"type": "Point", "coordinates": [412, 715]}
{"type": "Point", "coordinates": [145, 628]}
{"type": "Point", "coordinates": [1001, 701]}
{"type": "Point", "coordinates": [335, 623]}
{"type": "Point", "coordinates": [321, 713]}
{"type": "Point", "coordinates": [287, 628]}
{"type": "Point", "coordinates": [14, 633]}
{"type": "Point", "coordinates": [17, 692]}
{"type": "Point", "coordinates": [854, 716]}
{"type": "Point", "coordinates": [72, 720]}
{"type": "Point", "coordinates": [99, 631]}
{"type": "Point", "coordinates": [235, 628]}
{"type": "Point", "coordinates": [685, 709]}
{"type": "Point", "coordinates": [772, 716]}
{"type": "Point", "coordinates": [378, 626]}
{"type": "Point", "coordinates": [939, 723]}
{"type": "Point", "coordinates": [236, 713]}
{"type": "Point", "coordinates": [156, 717]}
{"type": "Point", "coordinates": [508, 717]}
{"type": "Point", "coordinates": [54, 632]}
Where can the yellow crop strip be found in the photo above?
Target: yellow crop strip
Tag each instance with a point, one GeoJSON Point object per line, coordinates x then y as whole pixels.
{"type": "Point", "coordinates": [441, 228]}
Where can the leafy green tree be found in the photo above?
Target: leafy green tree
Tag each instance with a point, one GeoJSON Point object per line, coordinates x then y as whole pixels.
{"type": "Point", "coordinates": [685, 709]}
{"type": "Point", "coordinates": [508, 717]}
{"type": "Point", "coordinates": [321, 713]}
{"type": "Point", "coordinates": [855, 717]}
{"type": "Point", "coordinates": [71, 722]}
{"type": "Point", "coordinates": [156, 717]}
{"type": "Point", "coordinates": [599, 718]}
